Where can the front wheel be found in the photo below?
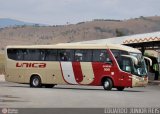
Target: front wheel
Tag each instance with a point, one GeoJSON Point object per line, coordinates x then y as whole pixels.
{"type": "Point", "coordinates": [35, 82]}
{"type": "Point", "coordinates": [107, 84]}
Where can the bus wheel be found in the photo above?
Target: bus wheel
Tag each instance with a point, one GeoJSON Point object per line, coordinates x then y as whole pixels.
{"type": "Point", "coordinates": [120, 88]}
{"type": "Point", "coordinates": [35, 82]}
{"type": "Point", "coordinates": [49, 85]}
{"type": "Point", "coordinates": [107, 84]}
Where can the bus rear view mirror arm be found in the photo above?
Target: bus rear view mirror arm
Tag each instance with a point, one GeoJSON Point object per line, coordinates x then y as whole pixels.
{"type": "Point", "coordinates": [150, 61]}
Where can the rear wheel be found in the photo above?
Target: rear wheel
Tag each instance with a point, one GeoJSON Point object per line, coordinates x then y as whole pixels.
{"type": "Point", "coordinates": [107, 84]}
{"type": "Point", "coordinates": [49, 85]}
{"type": "Point", "coordinates": [120, 88]}
{"type": "Point", "coordinates": [35, 81]}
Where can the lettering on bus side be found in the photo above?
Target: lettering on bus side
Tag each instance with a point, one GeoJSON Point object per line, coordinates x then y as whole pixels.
{"type": "Point", "coordinates": [107, 67]}
{"type": "Point", "coordinates": [30, 65]}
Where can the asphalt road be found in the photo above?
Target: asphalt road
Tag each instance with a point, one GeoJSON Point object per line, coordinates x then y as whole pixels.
{"type": "Point", "coordinates": [14, 95]}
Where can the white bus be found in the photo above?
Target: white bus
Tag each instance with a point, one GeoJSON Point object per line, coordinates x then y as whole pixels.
{"type": "Point", "coordinates": [110, 66]}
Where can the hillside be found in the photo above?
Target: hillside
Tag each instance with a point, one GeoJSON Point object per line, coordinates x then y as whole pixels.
{"type": "Point", "coordinates": [96, 29]}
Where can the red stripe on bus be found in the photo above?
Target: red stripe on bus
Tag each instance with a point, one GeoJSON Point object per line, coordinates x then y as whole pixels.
{"type": "Point", "coordinates": [98, 71]}
{"type": "Point", "coordinates": [77, 71]}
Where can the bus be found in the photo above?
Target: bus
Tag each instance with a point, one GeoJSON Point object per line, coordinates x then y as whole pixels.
{"type": "Point", "coordinates": [107, 65]}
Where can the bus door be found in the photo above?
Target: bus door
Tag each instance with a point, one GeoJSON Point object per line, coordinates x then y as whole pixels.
{"type": "Point", "coordinates": [125, 65]}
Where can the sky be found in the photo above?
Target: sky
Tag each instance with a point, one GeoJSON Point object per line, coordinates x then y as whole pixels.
{"type": "Point", "coordinates": [60, 12]}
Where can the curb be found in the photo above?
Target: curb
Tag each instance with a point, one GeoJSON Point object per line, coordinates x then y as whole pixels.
{"type": "Point", "coordinates": [157, 82]}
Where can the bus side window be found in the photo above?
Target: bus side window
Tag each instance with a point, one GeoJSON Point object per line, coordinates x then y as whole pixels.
{"type": "Point", "coordinates": [65, 55]}
{"type": "Point", "coordinates": [101, 56]}
{"type": "Point", "coordinates": [26, 54]}
{"type": "Point", "coordinates": [33, 54]}
{"type": "Point", "coordinates": [19, 55]}
{"type": "Point", "coordinates": [42, 55]}
{"type": "Point", "coordinates": [83, 55]}
{"type": "Point", "coordinates": [70, 55]}
{"type": "Point", "coordinates": [51, 55]}
{"type": "Point", "coordinates": [117, 54]}
{"type": "Point", "coordinates": [87, 55]}
{"type": "Point", "coordinates": [12, 54]}
{"type": "Point", "coordinates": [126, 64]}
{"type": "Point", "coordinates": [78, 55]}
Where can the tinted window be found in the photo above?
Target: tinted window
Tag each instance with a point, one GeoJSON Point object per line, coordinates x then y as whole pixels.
{"type": "Point", "coordinates": [118, 53]}
{"type": "Point", "coordinates": [83, 55]}
{"type": "Point", "coordinates": [15, 54]}
{"type": "Point", "coordinates": [32, 54]}
{"type": "Point", "coordinates": [65, 55]}
{"type": "Point", "coordinates": [78, 55]}
{"type": "Point", "coordinates": [50, 55]}
{"type": "Point", "coordinates": [100, 56]}
{"type": "Point", "coordinates": [26, 54]}
{"type": "Point", "coordinates": [11, 53]}
{"type": "Point", "coordinates": [126, 64]}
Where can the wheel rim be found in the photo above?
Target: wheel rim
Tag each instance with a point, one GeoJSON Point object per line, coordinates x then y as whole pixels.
{"type": "Point", "coordinates": [106, 84]}
{"type": "Point", "coordinates": [35, 81]}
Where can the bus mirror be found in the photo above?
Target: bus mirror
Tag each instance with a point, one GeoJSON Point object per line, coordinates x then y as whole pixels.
{"type": "Point", "coordinates": [150, 61]}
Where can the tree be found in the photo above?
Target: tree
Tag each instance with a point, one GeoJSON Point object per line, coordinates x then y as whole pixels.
{"type": "Point", "coordinates": [119, 33]}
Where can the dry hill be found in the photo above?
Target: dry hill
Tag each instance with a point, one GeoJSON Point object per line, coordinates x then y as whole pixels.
{"type": "Point", "coordinates": [96, 29]}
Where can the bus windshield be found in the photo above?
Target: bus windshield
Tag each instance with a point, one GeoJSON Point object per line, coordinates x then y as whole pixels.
{"type": "Point", "coordinates": [140, 68]}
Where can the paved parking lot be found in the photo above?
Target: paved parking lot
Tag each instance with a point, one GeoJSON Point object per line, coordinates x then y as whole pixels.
{"type": "Point", "coordinates": [70, 96]}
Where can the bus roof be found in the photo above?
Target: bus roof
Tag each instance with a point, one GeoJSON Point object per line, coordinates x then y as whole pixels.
{"type": "Point", "coordinates": [77, 46]}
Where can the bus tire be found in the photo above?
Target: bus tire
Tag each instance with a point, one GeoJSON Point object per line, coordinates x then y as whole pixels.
{"type": "Point", "coordinates": [35, 81]}
{"type": "Point", "coordinates": [49, 85]}
{"type": "Point", "coordinates": [107, 84]}
{"type": "Point", "coordinates": [120, 88]}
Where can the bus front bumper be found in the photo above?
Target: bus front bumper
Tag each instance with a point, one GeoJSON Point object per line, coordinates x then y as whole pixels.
{"type": "Point", "coordinates": [139, 81]}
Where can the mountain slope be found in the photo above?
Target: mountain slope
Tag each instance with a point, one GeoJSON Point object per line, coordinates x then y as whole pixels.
{"type": "Point", "coordinates": [97, 29]}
